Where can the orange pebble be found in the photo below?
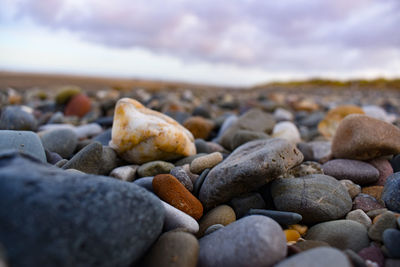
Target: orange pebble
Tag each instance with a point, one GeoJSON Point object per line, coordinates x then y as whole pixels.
{"type": "Point", "coordinates": [169, 189]}
{"type": "Point", "coordinates": [79, 105]}
{"type": "Point", "coordinates": [291, 235]}
{"type": "Point", "coordinates": [302, 229]}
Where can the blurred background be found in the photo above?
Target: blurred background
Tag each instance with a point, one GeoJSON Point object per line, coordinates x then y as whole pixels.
{"type": "Point", "coordinates": [228, 43]}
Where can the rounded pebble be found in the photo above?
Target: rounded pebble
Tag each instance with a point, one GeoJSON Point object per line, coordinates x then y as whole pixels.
{"type": "Point", "coordinates": [153, 168]}
{"type": "Point", "coordinates": [222, 214]}
{"type": "Point", "coordinates": [205, 162]}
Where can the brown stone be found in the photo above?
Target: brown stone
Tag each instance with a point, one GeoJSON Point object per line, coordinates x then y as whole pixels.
{"type": "Point", "coordinates": [79, 105]}
{"type": "Point", "coordinates": [375, 191]}
{"type": "Point", "coordinates": [222, 214]}
{"type": "Point", "coordinates": [199, 127]}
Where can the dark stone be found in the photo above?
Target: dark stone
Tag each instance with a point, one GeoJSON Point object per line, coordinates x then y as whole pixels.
{"type": "Point", "coordinates": [199, 182]}
{"type": "Point", "coordinates": [281, 217]}
{"type": "Point", "coordinates": [306, 150]}
{"type": "Point", "coordinates": [59, 218]}
{"type": "Point", "coordinates": [105, 121]}
{"type": "Point", "coordinates": [355, 259]}
{"type": "Point", "coordinates": [366, 203]}
{"type": "Point", "coordinates": [391, 192]}
{"type": "Point", "coordinates": [202, 112]}
{"type": "Point", "coordinates": [16, 118]}
{"type": "Point", "coordinates": [88, 160]}
{"type": "Point", "coordinates": [104, 138]}
{"type": "Point", "coordinates": [180, 174]}
{"type": "Point", "coordinates": [52, 157]}
{"type": "Point", "coordinates": [241, 205]}
{"type": "Point", "coordinates": [395, 162]}
{"type": "Point", "coordinates": [145, 182]}
{"type": "Point", "coordinates": [244, 136]}
{"type": "Point", "coordinates": [391, 240]}
{"type": "Point", "coordinates": [189, 159]}
{"type": "Point", "coordinates": [374, 254]}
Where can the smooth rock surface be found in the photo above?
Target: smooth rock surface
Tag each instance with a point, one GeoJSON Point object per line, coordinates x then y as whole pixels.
{"type": "Point", "coordinates": [60, 141]}
{"type": "Point", "coordinates": [386, 220]}
{"type": "Point", "coordinates": [359, 216]}
{"type": "Point", "coordinates": [125, 173]}
{"type": "Point", "coordinates": [17, 118]}
{"type": "Point", "coordinates": [175, 219]}
{"type": "Point", "coordinates": [391, 192]}
{"type": "Point", "coordinates": [153, 168]}
{"type": "Point", "coordinates": [241, 205]}
{"type": "Point", "coordinates": [384, 168]}
{"type": "Point", "coordinates": [287, 130]}
{"type": "Point", "coordinates": [205, 162]}
{"type": "Point", "coordinates": [353, 189]}
{"type": "Point", "coordinates": [183, 177]}
{"type": "Point", "coordinates": [391, 240]}
{"type": "Point", "coordinates": [245, 242]}
{"type": "Point", "coordinates": [247, 168]}
{"type": "Point", "coordinates": [222, 214]}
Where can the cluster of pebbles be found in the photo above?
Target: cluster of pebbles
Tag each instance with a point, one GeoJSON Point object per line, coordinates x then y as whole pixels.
{"type": "Point", "coordinates": [197, 178]}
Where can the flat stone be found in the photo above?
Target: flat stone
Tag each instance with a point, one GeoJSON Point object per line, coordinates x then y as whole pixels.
{"type": "Point", "coordinates": [24, 142]}
{"type": "Point", "coordinates": [391, 192]}
{"type": "Point", "coordinates": [145, 182]}
{"type": "Point", "coordinates": [103, 138]}
{"type": "Point", "coordinates": [321, 150]}
{"type": "Point", "coordinates": [205, 162]}
{"type": "Point", "coordinates": [384, 168]}
{"type": "Point", "coordinates": [342, 234]}
{"type": "Point", "coordinates": [88, 160]}
{"type": "Point", "coordinates": [366, 203]}
{"type": "Point", "coordinates": [316, 197]}
{"type": "Point", "coordinates": [249, 167]}
{"type": "Point", "coordinates": [176, 219]}
{"type": "Point", "coordinates": [199, 127]}
{"type": "Point", "coordinates": [287, 130]}
{"type": "Point", "coordinates": [153, 168]}
{"type": "Point", "coordinates": [310, 244]}
{"type": "Point", "coordinates": [323, 256]}
{"type": "Point", "coordinates": [361, 137]}
{"type": "Point", "coordinates": [304, 169]}
{"type": "Point", "coordinates": [213, 228]}
{"type": "Point", "coordinates": [245, 242]}
{"type": "Point", "coordinates": [243, 136]}
{"type": "Point", "coordinates": [61, 218]}
{"type": "Point", "coordinates": [189, 159]}
{"type": "Point", "coordinates": [357, 171]}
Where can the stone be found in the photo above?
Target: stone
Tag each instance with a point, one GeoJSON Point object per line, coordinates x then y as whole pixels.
{"type": "Point", "coordinates": [169, 189]}
{"type": "Point", "coordinates": [245, 242]}
{"type": "Point", "coordinates": [304, 245]}
{"type": "Point", "coordinates": [222, 214]}
{"type": "Point", "coordinates": [202, 112]}
{"type": "Point", "coordinates": [52, 157]}
{"type": "Point", "coordinates": [395, 163]}
{"type": "Point", "coordinates": [378, 113]}
{"type": "Point", "coordinates": [328, 126]}
{"type": "Point", "coordinates": [188, 160]}
{"type": "Point", "coordinates": [304, 169]}
{"type": "Point", "coordinates": [201, 146]}
{"type": "Point", "coordinates": [253, 120]}
{"type": "Point", "coordinates": [141, 135]}
{"type": "Point", "coordinates": [316, 197]}
{"type": "Point", "coordinates": [88, 160]}
{"type": "Point", "coordinates": [227, 122]}
{"type": "Point", "coordinates": [247, 168]}
{"type": "Point", "coordinates": [193, 177]}
{"type": "Point", "coordinates": [183, 177]}
{"type": "Point", "coordinates": [281, 114]}
{"type": "Point", "coordinates": [359, 216]}
{"type": "Point", "coordinates": [355, 259]}
{"type": "Point", "coordinates": [374, 191]}
{"type": "Point", "coordinates": [384, 221]}
{"type": "Point", "coordinates": [366, 203]}
{"type": "Point", "coordinates": [301, 229]}
{"type": "Point", "coordinates": [357, 171]}
{"type": "Point", "coordinates": [306, 150]}
{"type": "Point", "coordinates": [145, 182]}
{"type": "Point", "coordinates": [392, 262]}
{"type": "Point", "coordinates": [281, 217]}
{"type": "Point", "coordinates": [391, 240]}
{"type": "Point", "coordinates": [241, 205]}
{"type": "Point", "coordinates": [24, 142]}
{"type": "Point", "coordinates": [316, 257]}
{"type": "Point", "coordinates": [384, 168]}
{"type": "Point", "coordinates": [374, 213]}
{"type": "Point", "coordinates": [176, 219]}
{"type": "Point", "coordinates": [18, 118]}
{"type": "Point", "coordinates": [363, 138]}
{"type": "Point", "coordinates": [153, 168]}
{"type": "Point", "coordinates": [88, 130]}
{"type": "Point", "coordinates": [243, 136]}
{"type": "Point", "coordinates": [125, 173]}
{"type": "Point", "coordinates": [60, 141]}
{"type": "Point", "coordinates": [341, 234]}
{"type": "Point", "coordinates": [291, 235]}
{"type": "Point", "coordinates": [391, 192]}
{"type": "Point", "coordinates": [312, 120]}
{"type": "Point", "coordinates": [321, 150]}
{"type": "Point", "coordinates": [287, 130]}
{"type": "Point", "coordinates": [103, 138]}
{"type": "Point", "coordinates": [66, 93]}
{"type": "Point", "coordinates": [213, 228]}
{"type": "Point", "coordinates": [374, 254]}
{"type": "Point", "coordinates": [61, 218]}
{"type": "Point", "coordinates": [178, 249]}
{"type": "Point", "coordinates": [199, 164]}
{"type": "Point", "coordinates": [353, 189]}
{"type": "Point", "coordinates": [199, 127]}
{"type": "Point", "coordinates": [79, 105]}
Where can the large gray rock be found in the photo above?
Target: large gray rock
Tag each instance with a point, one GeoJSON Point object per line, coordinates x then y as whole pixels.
{"type": "Point", "coordinates": [22, 141]}
{"type": "Point", "coordinates": [251, 241]}
{"type": "Point", "coordinates": [342, 234]}
{"type": "Point", "coordinates": [316, 197]}
{"type": "Point", "coordinates": [249, 167]}
{"type": "Point", "coordinates": [53, 217]}
{"type": "Point", "coordinates": [316, 257]}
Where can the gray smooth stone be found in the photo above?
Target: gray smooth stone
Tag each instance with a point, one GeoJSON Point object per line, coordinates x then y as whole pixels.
{"type": "Point", "coordinates": [241, 205]}
{"type": "Point", "coordinates": [88, 159]}
{"type": "Point", "coordinates": [249, 167]}
{"type": "Point", "coordinates": [281, 217]}
{"type": "Point", "coordinates": [317, 257]}
{"type": "Point", "coordinates": [59, 218]}
{"type": "Point", "coordinates": [213, 228]}
{"type": "Point", "coordinates": [18, 119]}
{"type": "Point", "coordinates": [245, 242]}
{"type": "Point", "coordinates": [175, 219]}
{"type": "Point", "coordinates": [145, 182]}
{"type": "Point", "coordinates": [104, 138]}
{"type": "Point", "coordinates": [22, 141]}
{"type": "Point", "coordinates": [60, 141]}
{"type": "Point", "coordinates": [316, 197]}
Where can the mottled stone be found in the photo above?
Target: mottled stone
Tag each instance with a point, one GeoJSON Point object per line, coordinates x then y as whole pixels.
{"type": "Point", "coordinates": [366, 203]}
{"type": "Point", "coordinates": [384, 168]}
{"type": "Point", "coordinates": [287, 130]}
{"type": "Point", "coordinates": [304, 169]}
{"type": "Point", "coordinates": [384, 221]}
{"type": "Point", "coordinates": [140, 135]}
{"type": "Point", "coordinates": [222, 214]}
{"type": "Point", "coordinates": [153, 168]}
{"type": "Point", "coordinates": [374, 254]}
{"type": "Point", "coordinates": [391, 240]}
{"type": "Point", "coordinates": [374, 191]}
{"type": "Point", "coordinates": [249, 167]}
{"type": "Point", "coordinates": [391, 192]}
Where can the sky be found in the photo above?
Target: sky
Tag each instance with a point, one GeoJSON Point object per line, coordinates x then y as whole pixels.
{"type": "Point", "coordinates": [222, 42]}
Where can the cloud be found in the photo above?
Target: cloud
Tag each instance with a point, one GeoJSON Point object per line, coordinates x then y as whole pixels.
{"type": "Point", "coordinates": [285, 35]}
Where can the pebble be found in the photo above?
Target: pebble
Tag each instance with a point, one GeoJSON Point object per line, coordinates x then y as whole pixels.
{"type": "Point", "coordinates": [71, 212]}
{"type": "Point", "coordinates": [253, 120]}
{"type": "Point", "coordinates": [391, 240]}
{"type": "Point", "coordinates": [359, 216]}
{"type": "Point", "coordinates": [281, 114]}
{"type": "Point", "coordinates": [199, 127]}
{"type": "Point", "coordinates": [395, 163]}
{"type": "Point", "coordinates": [145, 182]}
{"type": "Point", "coordinates": [316, 197]}
{"type": "Point", "coordinates": [304, 245]}
{"type": "Point", "coordinates": [241, 205]}
{"type": "Point", "coordinates": [287, 130]}
{"type": "Point", "coordinates": [199, 182]}
{"type": "Point", "coordinates": [141, 135]}
{"type": "Point", "coordinates": [302, 229]}
{"type": "Point", "coordinates": [213, 228]}
{"type": "Point", "coordinates": [366, 203]}
{"type": "Point", "coordinates": [189, 159]}
{"type": "Point", "coordinates": [88, 160]}
{"type": "Point", "coordinates": [66, 93]}
{"type": "Point", "coordinates": [52, 157]}
{"type": "Point", "coordinates": [374, 191]}
{"type": "Point", "coordinates": [323, 256]}
{"type": "Point", "coordinates": [18, 118]}
{"type": "Point", "coordinates": [392, 263]}
{"type": "Point", "coordinates": [341, 234]}
{"type": "Point", "coordinates": [88, 130]}
{"type": "Point", "coordinates": [382, 222]}
{"type": "Point", "coordinates": [390, 194]}
{"type": "Point", "coordinates": [291, 235]}
{"type": "Point", "coordinates": [177, 249]}
{"type": "Point", "coordinates": [357, 171]}
{"type": "Point", "coordinates": [321, 150]}
{"type": "Point", "coordinates": [201, 146]}
{"type": "Point", "coordinates": [169, 189]}
{"type": "Point", "coordinates": [355, 259]}
{"type": "Point", "coordinates": [243, 136]}
{"type": "Point", "coordinates": [384, 168]}
{"type": "Point", "coordinates": [193, 177]}
{"type": "Point", "coordinates": [153, 168]}
{"type": "Point", "coordinates": [60, 141]}
{"type": "Point", "coordinates": [244, 170]}
{"type": "Point", "coordinates": [245, 242]}
{"type": "Point", "coordinates": [373, 213]}
{"type": "Point", "coordinates": [374, 254]}
{"type": "Point", "coordinates": [306, 150]}
{"type": "Point", "coordinates": [361, 137]}
{"type": "Point", "coordinates": [377, 113]}
{"type": "Point", "coordinates": [79, 105]}
{"type": "Point", "coordinates": [222, 214]}
{"type": "Point", "coordinates": [202, 112]}
{"type": "Point", "coordinates": [183, 177]}
{"type": "Point", "coordinates": [199, 164]}
{"type": "Point", "coordinates": [228, 121]}
{"type": "Point", "coordinates": [176, 219]}
{"type": "Point", "coordinates": [353, 189]}
{"type": "Point", "coordinates": [304, 169]}
{"type": "Point", "coordinates": [125, 173]}
{"type": "Point", "coordinates": [281, 217]}
{"type": "Point", "coordinates": [103, 138]}
{"type": "Point", "coordinates": [24, 142]}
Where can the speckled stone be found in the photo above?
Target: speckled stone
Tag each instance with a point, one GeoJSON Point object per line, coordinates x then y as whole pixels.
{"type": "Point", "coordinates": [366, 203]}
{"type": "Point", "coordinates": [374, 254]}
{"type": "Point", "coordinates": [183, 177]}
{"type": "Point", "coordinates": [385, 221]}
{"type": "Point", "coordinates": [304, 169]}
{"type": "Point", "coordinates": [153, 168]}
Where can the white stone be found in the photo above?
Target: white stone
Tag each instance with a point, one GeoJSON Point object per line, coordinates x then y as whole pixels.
{"type": "Point", "coordinates": [281, 114]}
{"type": "Point", "coordinates": [125, 173]}
{"type": "Point", "coordinates": [378, 113]}
{"type": "Point", "coordinates": [175, 218]}
{"type": "Point", "coordinates": [360, 216]}
{"type": "Point", "coordinates": [287, 130]}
